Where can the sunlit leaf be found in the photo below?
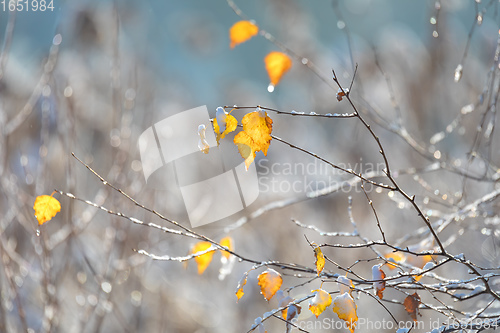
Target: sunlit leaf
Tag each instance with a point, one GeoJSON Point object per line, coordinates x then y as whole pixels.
{"type": "Point", "coordinates": [319, 302]}
{"type": "Point", "coordinates": [270, 282]}
{"type": "Point", "coordinates": [345, 308]}
{"type": "Point", "coordinates": [46, 207]}
{"type": "Point", "coordinates": [277, 64]}
{"type": "Point", "coordinates": [379, 286]}
{"type": "Point", "coordinates": [394, 258]}
{"type": "Point", "coordinates": [224, 123]}
{"type": "Point", "coordinates": [242, 31]}
{"type": "Point", "coordinates": [227, 242]}
{"type": "Point", "coordinates": [202, 260]}
{"type": "Point", "coordinates": [411, 304]}
{"type": "Point", "coordinates": [239, 288]}
{"type": "Point", "coordinates": [320, 258]}
{"type": "Point", "coordinates": [256, 135]}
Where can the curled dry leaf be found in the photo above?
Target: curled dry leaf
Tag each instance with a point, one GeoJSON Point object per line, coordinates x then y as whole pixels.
{"type": "Point", "coordinates": [277, 64]}
{"type": "Point", "coordinates": [320, 258]}
{"type": "Point", "coordinates": [203, 260]}
{"type": "Point", "coordinates": [292, 313]}
{"type": "Point", "coordinates": [256, 135]}
{"type": "Point", "coordinates": [46, 207]}
{"type": "Point", "coordinates": [379, 286]}
{"type": "Point", "coordinates": [345, 308]}
{"type": "Point", "coordinates": [270, 282]}
{"type": "Point", "coordinates": [242, 31]}
{"type": "Point", "coordinates": [283, 301]}
{"type": "Point", "coordinates": [319, 302]}
{"type": "Point", "coordinates": [411, 304]}
{"type": "Point", "coordinates": [341, 94]}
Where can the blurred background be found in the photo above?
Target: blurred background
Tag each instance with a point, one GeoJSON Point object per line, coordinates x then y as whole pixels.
{"type": "Point", "coordinates": [90, 76]}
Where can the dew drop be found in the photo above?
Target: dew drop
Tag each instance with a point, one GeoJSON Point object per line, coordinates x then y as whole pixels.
{"type": "Point", "coordinates": [435, 34]}
{"type": "Point", "coordinates": [433, 20]}
{"type": "Point", "coordinates": [340, 24]}
{"type": "Point", "coordinates": [270, 87]}
{"type": "Point", "coordinates": [38, 232]}
{"type": "Point", "coordinates": [479, 19]}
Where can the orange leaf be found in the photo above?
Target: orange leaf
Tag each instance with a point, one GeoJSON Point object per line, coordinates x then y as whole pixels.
{"type": "Point", "coordinates": [270, 282]}
{"type": "Point", "coordinates": [239, 288]}
{"type": "Point", "coordinates": [227, 242]}
{"type": "Point", "coordinates": [345, 308]}
{"type": "Point", "coordinates": [256, 135]}
{"type": "Point", "coordinates": [320, 258]}
{"type": "Point", "coordinates": [379, 286]}
{"type": "Point", "coordinates": [277, 64]}
{"type": "Point", "coordinates": [203, 260]}
{"type": "Point", "coordinates": [227, 122]}
{"type": "Point", "coordinates": [411, 305]}
{"type": "Point", "coordinates": [319, 302]}
{"type": "Point", "coordinates": [242, 31]}
{"type": "Point", "coordinates": [46, 207]}
{"type": "Point", "coordinates": [394, 258]}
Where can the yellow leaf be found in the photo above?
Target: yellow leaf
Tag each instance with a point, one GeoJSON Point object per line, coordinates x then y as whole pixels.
{"type": "Point", "coordinates": [345, 308]}
{"type": "Point", "coordinates": [242, 31]}
{"type": "Point", "coordinates": [256, 135]}
{"type": "Point", "coordinates": [46, 207]}
{"type": "Point", "coordinates": [320, 302]}
{"type": "Point", "coordinates": [277, 64]}
{"type": "Point", "coordinates": [270, 282]}
{"type": "Point", "coordinates": [394, 258]}
{"type": "Point", "coordinates": [239, 288]}
{"type": "Point", "coordinates": [320, 258]}
{"type": "Point", "coordinates": [202, 260]}
{"type": "Point", "coordinates": [411, 305]}
{"type": "Point", "coordinates": [379, 285]}
{"type": "Point", "coordinates": [228, 122]}
{"type": "Point", "coordinates": [227, 242]}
